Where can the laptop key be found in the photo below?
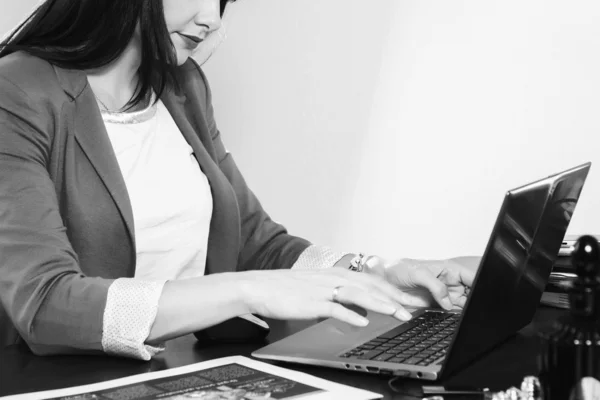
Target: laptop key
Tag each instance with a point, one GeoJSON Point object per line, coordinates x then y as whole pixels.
{"type": "Point", "coordinates": [410, 352]}
{"type": "Point", "coordinates": [369, 354]}
{"type": "Point", "coordinates": [398, 330]}
{"type": "Point", "coordinates": [383, 357]}
{"type": "Point", "coordinates": [418, 339]}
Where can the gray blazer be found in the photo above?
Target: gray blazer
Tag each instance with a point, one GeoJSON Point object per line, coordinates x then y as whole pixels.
{"type": "Point", "coordinates": [66, 225]}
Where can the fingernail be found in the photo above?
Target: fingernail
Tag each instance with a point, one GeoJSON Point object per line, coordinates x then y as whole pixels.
{"type": "Point", "coordinates": [405, 315]}
{"type": "Point", "coordinates": [362, 321]}
{"type": "Point", "coordinates": [446, 303]}
{"type": "Point", "coordinates": [388, 309]}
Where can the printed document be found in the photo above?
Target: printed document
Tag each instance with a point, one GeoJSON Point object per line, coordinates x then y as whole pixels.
{"type": "Point", "coordinates": [229, 378]}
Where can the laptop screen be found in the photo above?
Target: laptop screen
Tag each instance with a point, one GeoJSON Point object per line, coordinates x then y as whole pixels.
{"type": "Point", "coordinates": [516, 265]}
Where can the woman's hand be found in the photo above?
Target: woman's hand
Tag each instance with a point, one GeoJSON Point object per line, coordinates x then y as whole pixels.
{"type": "Point", "coordinates": [427, 282]}
{"type": "Point", "coordinates": [308, 294]}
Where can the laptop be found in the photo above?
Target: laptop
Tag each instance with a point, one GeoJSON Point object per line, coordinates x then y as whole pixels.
{"type": "Point", "coordinates": [506, 292]}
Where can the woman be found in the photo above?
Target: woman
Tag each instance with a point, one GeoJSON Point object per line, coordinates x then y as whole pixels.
{"type": "Point", "coordinates": [124, 222]}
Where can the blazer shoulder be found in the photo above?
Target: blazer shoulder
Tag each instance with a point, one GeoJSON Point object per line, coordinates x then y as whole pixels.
{"type": "Point", "coordinates": [31, 76]}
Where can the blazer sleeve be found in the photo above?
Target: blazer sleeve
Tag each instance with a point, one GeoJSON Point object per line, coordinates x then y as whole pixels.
{"type": "Point", "coordinates": [54, 307]}
{"type": "Point", "coordinates": [265, 243]}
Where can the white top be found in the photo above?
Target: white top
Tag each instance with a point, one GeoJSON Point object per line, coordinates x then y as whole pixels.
{"type": "Point", "coordinates": [172, 207]}
{"type": "Point", "coordinates": [170, 196]}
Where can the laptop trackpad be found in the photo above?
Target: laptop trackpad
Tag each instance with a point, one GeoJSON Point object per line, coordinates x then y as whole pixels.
{"type": "Point", "coordinates": [330, 337]}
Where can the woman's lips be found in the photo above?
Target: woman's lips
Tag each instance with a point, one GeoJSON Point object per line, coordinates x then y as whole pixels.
{"type": "Point", "coordinates": [191, 41]}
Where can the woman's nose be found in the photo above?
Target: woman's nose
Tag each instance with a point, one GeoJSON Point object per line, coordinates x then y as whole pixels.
{"type": "Point", "coordinates": [209, 15]}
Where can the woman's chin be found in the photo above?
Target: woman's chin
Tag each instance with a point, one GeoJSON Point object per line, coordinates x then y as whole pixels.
{"type": "Point", "coordinates": [182, 58]}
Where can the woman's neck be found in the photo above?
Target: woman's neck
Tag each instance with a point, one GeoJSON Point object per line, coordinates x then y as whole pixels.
{"type": "Point", "coordinates": [114, 84]}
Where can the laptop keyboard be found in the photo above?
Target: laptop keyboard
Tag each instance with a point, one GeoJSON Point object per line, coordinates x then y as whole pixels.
{"type": "Point", "coordinates": [420, 341]}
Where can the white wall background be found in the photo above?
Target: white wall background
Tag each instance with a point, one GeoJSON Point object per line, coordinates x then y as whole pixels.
{"type": "Point", "coordinates": [395, 127]}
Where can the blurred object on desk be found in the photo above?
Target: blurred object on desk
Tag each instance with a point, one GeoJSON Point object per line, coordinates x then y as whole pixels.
{"type": "Point", "coordinates": [555, 293]}
{"type": "Point", "coordinates": [563, 275]}
{"type": "Point", "coordinates": [530, 390]}
{"type": "Point", "coordinates": [568, 243]}
{"type": "Point", "coordinates": [571, 345]}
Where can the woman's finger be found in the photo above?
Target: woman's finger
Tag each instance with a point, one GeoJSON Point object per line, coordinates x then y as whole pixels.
{"type": "Point", "coordinates": [467, 267]}
{"type": "Point", "coordinates": [411, 298]}
{"type": "Point", "coordinates": [367, 282]}
{"type": "Point", "coordinates": [328, 309]}
{"type": "Point", "coordinates": [417, 298]}
{"type": "Point", "coordinates": [356, 296]}
{"type": "Point", "coordinates": [374, 283]}
{"type": "Point", "coordinates": [423, 277]}
{"type": "Point", "coordinates": [460, 301]}
{"type": "Point", "coordinates": [467, 276]}
{"type": "Point", "coordinates": [458, 295]}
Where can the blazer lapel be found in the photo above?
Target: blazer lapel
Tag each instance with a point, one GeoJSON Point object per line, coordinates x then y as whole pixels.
{"type": "Point", "coordinates": [224, 236]}
{"type": "Point", "coordinates": [90, 133]}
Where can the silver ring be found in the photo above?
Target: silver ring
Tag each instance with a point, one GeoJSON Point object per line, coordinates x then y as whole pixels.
{"type": "Point", "coordinates": [334, 295]}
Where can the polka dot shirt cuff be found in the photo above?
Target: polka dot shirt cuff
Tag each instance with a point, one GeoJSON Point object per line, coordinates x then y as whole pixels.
{"type": "Point", "coordinates": [131, 308]}
{"type": "Point", "coordinates": [317, 257]}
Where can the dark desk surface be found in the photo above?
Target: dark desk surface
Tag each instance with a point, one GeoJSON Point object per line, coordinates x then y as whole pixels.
{"type": "Point", "coordinates": [22, 372]}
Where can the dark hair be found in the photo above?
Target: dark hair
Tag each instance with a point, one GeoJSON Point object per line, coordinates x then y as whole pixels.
{"type": "Point", "coordinates": [89, 34]}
